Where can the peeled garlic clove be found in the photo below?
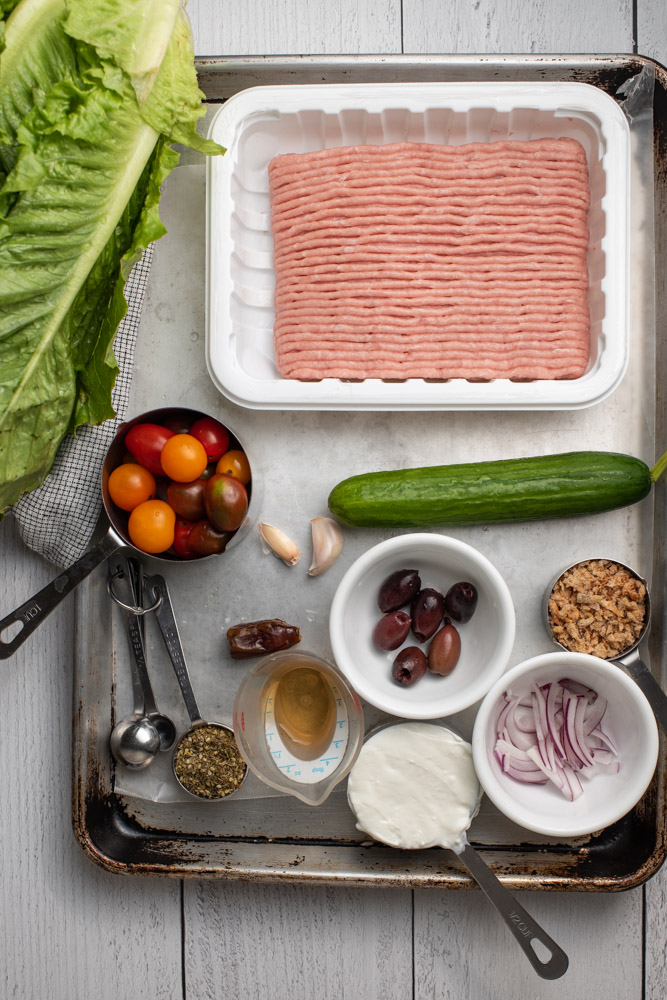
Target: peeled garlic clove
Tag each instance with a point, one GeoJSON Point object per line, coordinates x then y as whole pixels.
{"type": "Point", "coordinates": [327, 543]}
{"type": "Point", "coordinates": [279, 543]}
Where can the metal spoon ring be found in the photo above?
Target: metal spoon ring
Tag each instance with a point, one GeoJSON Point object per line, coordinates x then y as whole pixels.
{"type": "Point", "coordinates": [130, 607]}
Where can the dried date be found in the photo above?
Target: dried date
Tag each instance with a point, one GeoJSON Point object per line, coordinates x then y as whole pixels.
{"type": "Point", "coordinates": [260, 638]}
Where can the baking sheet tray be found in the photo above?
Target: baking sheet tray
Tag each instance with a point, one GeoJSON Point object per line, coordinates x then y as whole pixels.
{"type": "Point", "coordinates": [301, 456]}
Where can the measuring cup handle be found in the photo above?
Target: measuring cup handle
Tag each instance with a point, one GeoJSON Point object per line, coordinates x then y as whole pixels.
{"type": "Point", "coordinates": [524, 928]}
{"type": "Point", "coordinates": [164, 614]}
{"type": "Point", "coordinates": [32, 613]}
{"type": "Point", "coordinates": [645, 680]}
{"type": "Point", "coordinates": [126, 569]}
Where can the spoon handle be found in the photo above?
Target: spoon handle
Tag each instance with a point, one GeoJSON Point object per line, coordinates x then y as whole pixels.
{"type": "Point", "coordinates": [128, 570]}
{"type": "Point", "coordinates": [164, 614]}
{"type": "Point", "coordinates": [524, 928]}
{"type": "Point", "coordinates": [32, 613]}
{"type": "Point", "coordinates": [645, 680]}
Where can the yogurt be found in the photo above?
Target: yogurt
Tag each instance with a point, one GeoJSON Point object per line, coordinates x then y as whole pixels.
{"type": "Point", "coordinates": [414, 786]}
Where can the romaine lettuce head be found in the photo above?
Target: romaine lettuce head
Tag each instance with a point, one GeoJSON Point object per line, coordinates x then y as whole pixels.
{"type": "Point", "coordinates": [92, 94]}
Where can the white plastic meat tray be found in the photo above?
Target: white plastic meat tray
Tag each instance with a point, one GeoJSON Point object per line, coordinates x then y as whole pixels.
{"type": "Point", "coordinates": [258, 123]}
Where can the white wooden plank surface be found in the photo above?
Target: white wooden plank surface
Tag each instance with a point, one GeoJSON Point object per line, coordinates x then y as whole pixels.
{"type": "Point", "coordinates": [68, 930]}
{"type": "Point", "coordinates": [463, 950]}
{"type": "Point", "coordinates": [252, 942]}
{"type": "Point", "coordinates": [652, 41]}
{"type": "Point", "coordinates": [263, 27]}
{"type": "Point", "coordinates": [516, 26]}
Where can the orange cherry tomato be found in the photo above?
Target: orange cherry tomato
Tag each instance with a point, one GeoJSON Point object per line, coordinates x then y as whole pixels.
{"type": "Point", "coordinates": [234, 463]}
{"type": "Point", "coordinates": [183, 458]}
{"type": "Point", "coordinates": [151, 526]}
{"type": "Point", "coordinates": [130, 484]}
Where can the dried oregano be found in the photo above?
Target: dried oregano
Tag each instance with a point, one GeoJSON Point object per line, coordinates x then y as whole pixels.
{"type": "Point", "coordinates": [208, 762]}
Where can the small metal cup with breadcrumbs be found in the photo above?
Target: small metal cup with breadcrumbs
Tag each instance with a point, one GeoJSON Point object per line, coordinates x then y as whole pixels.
{"type": "Point", "coordinates": [602, 607]}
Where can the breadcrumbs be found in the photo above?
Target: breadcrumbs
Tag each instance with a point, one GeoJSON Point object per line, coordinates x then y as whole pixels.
{"type": "Point", "coordinates": [597, 607]}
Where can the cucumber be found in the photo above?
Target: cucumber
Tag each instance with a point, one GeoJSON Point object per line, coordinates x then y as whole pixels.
{"type": "Point", "coordinates": [520, 489]}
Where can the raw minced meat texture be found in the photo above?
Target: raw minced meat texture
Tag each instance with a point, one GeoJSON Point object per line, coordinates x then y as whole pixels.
{"type": "Point", "coordinates": [414, 260]}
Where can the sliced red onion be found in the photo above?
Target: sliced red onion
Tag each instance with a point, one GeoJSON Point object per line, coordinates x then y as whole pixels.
{"type": "Point", "coordinates": [553, 733]}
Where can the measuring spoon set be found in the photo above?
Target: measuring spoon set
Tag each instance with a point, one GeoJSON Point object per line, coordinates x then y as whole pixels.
{"type": "Point", "coordinates": [139, 737]}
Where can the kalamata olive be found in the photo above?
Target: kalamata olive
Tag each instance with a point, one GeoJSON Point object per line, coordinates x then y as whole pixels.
{"type": "Point", "coordinates": [392, 630]}
{"type": "Point", "coordinates": [461, 601]}
{"type": "Point", "coordinates": [409, 666]}
{"type": "Point", "coordinates": [444, 651]}
{"type": "Point", "coordinates": [428, 608]}
{"type": "Point", "coordinates": [398, 589]}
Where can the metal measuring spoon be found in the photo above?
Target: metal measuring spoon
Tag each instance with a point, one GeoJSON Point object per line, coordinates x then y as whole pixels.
{"type": "Point", "coordinates": [630, 658]}
{"type": "Point", "coordinates": [156, 588]}
{"type": "Point", "coordinates": [136, 739]}
{"type": "Point", "coordinates": [524, 927]}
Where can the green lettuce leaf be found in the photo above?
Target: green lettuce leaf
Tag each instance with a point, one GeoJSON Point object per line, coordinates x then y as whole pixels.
{"type": "Point", "coordinates": [92, 93]}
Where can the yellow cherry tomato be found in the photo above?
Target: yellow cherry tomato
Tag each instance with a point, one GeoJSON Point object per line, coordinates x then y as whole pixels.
{"type": "Point", "coordinates": [130, 484]}
{"type": "Point", "coordinates": [151, 526]}
{"type": "Point", "coordinates": [234, 463]}
{"type": "Point", "coordinates": [183, 458]}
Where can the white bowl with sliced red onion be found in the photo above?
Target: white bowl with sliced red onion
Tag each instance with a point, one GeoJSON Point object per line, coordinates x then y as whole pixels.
{"type": "Point", "coordinates": [565, 744]}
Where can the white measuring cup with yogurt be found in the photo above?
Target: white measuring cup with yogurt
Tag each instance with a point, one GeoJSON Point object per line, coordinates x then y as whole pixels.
{"type": "Point", "coordinates": [414, 786]}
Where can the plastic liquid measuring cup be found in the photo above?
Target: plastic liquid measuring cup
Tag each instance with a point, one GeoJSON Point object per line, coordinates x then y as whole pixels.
{"type": "Point", "coordinates": [414, 787]}
{"type": "Point", "coordinates": [298, 724]}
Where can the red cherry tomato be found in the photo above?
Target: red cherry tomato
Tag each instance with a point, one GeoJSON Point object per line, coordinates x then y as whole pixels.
{"type": "Point", "coordinates": [183, 458]}
{"type": "Point", "coordinates": [235, 463]}
{"type": "Point", "coordinates": [181, 545]}
{"type": "Point", "coordinates": [213, 436]}
{"type": "Point", "coordinates": [151, 526]}
{"type": "Point", "coordinates": [187, 499]}
{"type": "Point", "coordinates": [145, 443]}
{"type": "Point", "coordinates": [131, 484]}
{"type": "Point", "coordinates": [226, 502]}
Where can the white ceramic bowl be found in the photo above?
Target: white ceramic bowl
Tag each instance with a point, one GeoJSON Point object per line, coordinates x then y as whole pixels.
{"type": "Point", "coordinates": [486, 640]}
{"type": "Point", "coordinates": [628, 721]}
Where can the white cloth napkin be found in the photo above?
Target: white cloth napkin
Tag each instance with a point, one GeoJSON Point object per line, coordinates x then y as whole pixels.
{"type": "Point", "coordinates": [58, 518]}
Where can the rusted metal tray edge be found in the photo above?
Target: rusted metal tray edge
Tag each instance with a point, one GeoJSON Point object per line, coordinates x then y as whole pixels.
{"type": "Point", "coordinates": [112, 839]}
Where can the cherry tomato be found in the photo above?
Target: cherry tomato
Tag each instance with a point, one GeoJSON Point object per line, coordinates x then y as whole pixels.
{"type": "Point", "coordinates": [179, 423]}
{"type": "Point", "coordinates": [145, 443]}
{"type": "Point", "coordinates": [226, 502]}
{"type": "Point", "coordinates": [151, 526]}
{"type": "Point", "coordinates": [181, 545]}
{"type": "Point", "coordinates": [183, 458]}
{"type": "Point", "coordinates": [131, 484]}
{"type": "Point", "coordinates": [212, 435]}
{"type": "Point", "coordinates": [235, 464]}
{"type": "Point", "coordinates": [187, 499]}
{"type": "Point", "coordinates": [205, 540]}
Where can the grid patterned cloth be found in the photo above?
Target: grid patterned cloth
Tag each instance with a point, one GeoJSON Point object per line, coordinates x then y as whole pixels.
{"type": "Point", "coordinates": [58, 518]}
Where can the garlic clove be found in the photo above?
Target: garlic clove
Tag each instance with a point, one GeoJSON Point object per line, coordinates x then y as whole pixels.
{"type": "Point", "coordinates": [327, 544]}
{"type": "Point", "coordinates": [279, 543]}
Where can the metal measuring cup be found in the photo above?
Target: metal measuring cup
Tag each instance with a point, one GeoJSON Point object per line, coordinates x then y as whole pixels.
{"type": "Point", "coordinates": [522, 925]}
{"type": "Point", "coordinates": [630, 657]}
{"type": "Point", "coordinates": [158, 593]}
{"type": "Point", "coordinates": [34, 611]}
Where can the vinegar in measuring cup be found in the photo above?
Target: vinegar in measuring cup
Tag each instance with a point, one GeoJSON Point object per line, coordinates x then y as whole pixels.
{"type": "Point", "coordinates": [304, 711]}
